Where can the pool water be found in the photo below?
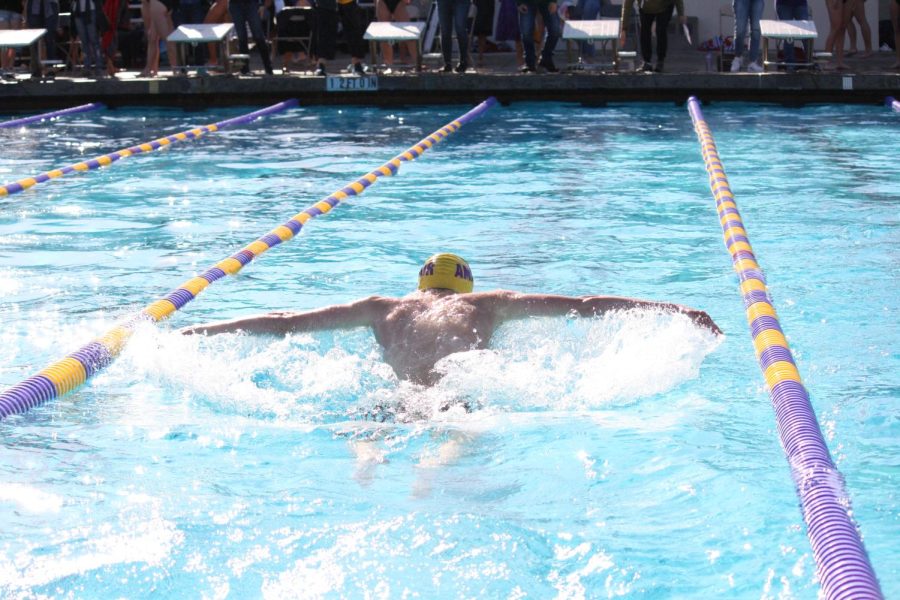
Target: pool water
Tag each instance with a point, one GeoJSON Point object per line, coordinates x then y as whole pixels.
{"type": "Point", "coordinates": [630, 455]}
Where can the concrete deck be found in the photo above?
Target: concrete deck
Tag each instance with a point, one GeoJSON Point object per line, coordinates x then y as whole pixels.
{"type": "Point", "coordinates": [869, 80]}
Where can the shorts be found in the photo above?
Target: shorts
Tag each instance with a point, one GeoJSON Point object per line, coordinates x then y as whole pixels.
{"type": "Point", "coordinates": [14, 19]}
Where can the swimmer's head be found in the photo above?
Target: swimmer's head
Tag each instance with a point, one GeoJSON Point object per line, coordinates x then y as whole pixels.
{"type": "Point", "coordinates": [448, 272]}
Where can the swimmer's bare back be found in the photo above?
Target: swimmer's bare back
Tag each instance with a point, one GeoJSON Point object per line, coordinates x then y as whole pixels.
{"type": "Point", "coordinates": [418, 330]}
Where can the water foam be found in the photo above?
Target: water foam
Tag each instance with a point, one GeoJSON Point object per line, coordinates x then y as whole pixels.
{"type": "Point", "coordinates": [534, 365]}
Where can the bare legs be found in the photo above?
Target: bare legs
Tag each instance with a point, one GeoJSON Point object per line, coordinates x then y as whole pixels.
{"type": "Point", "coordinates": [7, 55]}
{"type": "Point", "coordinates": [158, 26]}
{"type": "Point", "coordinates": [217, 13]}
{"type": "Point", "coordinates": [383, 13]}
{"type": "Point", "coordinates": [859, 15]}
{"type": "Point", "coordinates": [839, 14]}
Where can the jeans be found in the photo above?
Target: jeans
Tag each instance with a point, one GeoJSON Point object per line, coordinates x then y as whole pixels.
{"type": "Point", "coordinates": [747, 11]}
{"type": "Point", "coordinates": [243, 13]}
{"type": "Point", "coordinates": [454, 14]}
{"type": "Point", "coordinates": [86, 26]}
{"type": "Point", "coordinates": [587, 10]}
{"type": "Point", "coordinates": [662, 34]}
{"type": "Point", "coordinates": [786, 12]}
{"type": "Point", "coordinates": [50, 22]}
{"type": "Point", "coordinates": [526, 26]}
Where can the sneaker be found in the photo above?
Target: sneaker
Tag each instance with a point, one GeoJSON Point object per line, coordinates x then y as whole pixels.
{"type": "Point", "coordinates": [448, 68]}
{"type": "Point", "coordinates": [526, 69]}
{"type": "Point", "coordinates": [320, 70]}
{"type": "Point", "coordinates": [736, 65]}
{"type": "Point", "coordinates": [462, 67]}
{"type": "Point", "coordinates": [547, 64]}
{"type": "Point", "coordinates": [646, 68]}
{"type": "Point", "coordinates": [659, 67]}
{"type": "Point", "coordinates": [755, 67]}
{"type": "Point", "coordinates": [359, 69]}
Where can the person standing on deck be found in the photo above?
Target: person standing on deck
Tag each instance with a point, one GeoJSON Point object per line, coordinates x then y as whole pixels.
{"type": "Point", "coordinates": [528, 12]}
{"type": "Point", "coordinates": [652, 12]}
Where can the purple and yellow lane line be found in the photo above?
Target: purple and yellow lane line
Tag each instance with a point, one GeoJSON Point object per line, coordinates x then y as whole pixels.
{"type": "Point", "coordinates": [842, 562]}
{"type": "Point", "coordinates": [105, 160]}
{"type": "Point", "coordinates": [72, 371]}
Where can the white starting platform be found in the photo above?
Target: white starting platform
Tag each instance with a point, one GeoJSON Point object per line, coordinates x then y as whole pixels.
{"type": "Point", "coordinates": [203, 33]}
{"type": "Point", "coordinates": [788, 31]}
{"type": "Point", "coordinates": [396, 31]}
{"type": "Point", "coordinates": [599, 30]}
{"type": "Point", "coordinates": [25, 38]}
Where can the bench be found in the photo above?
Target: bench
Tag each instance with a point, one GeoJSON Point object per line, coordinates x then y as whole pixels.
{"type": "Point", "coordinates": [198, 33]}
{"type": "Point", "coordinates": [396, 31]}
{"type": "Point", "coordinates": [25, 38]}
{"type": "Point", "coordinates": [599, 30]}
{"type": "Point", "coordinates": [804, 31]}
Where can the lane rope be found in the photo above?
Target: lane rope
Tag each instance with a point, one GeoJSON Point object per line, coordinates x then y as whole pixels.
{"type": "Point", "coordinates": [107, 159]}
{"type": "Point", "coordinates": [52, 115]}
{"type": "Point", "coordinates": [844, 569]}
{"type": "Point", "coordinates": [72, 371]}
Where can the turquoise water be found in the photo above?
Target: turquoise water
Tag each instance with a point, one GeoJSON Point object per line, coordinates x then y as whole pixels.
{"type": "Point", "coordinates": [627, 456]}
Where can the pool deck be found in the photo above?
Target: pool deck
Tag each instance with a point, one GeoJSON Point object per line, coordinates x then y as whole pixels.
{"type": "Point", "coordinates": [869, 80]}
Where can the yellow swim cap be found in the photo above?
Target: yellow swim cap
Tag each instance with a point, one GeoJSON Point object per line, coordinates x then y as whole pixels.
{"type": "Point", "coordinates": [446, 271]}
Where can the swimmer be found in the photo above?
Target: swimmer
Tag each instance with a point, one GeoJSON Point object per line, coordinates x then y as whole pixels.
{"type": "Point", "coordinates": [442, 317]}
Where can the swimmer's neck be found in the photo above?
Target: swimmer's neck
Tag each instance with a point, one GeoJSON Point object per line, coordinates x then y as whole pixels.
{"type": "Point", "coordinates": [435, 292]}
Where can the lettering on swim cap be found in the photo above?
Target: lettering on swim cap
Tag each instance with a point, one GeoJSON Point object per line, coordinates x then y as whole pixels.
{"type": "Point", "coordinates": [446, 271]}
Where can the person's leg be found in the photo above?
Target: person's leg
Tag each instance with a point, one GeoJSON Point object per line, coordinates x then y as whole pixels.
{"type": "Point", "coordinates": [402, 15]}
{"type": "Point", "coordinates": [590, 10]}
{"type": "Point", "coordinates": [741, 18]}
{"type": "Point", "coordinates": [756, 11]}
{"type": "Point", "coordinates": [151, 63]}
{"type": "Point", "coordinates": [785, 12]}
{"type": "Point", "coordinates": [526, 28]}
{"type": "Point", "coordinates": [81, 32]}
{"type": "Point", "coordinates": [662, 36]}
{"type": "Point", "coordinates": [51, 22]}
{"type": "Point", "coordinates": [259, 36]}
{"type": "Point", "coordinates": [92, 45]}
{"type": "Point", "coordinates": [383, 13]}
{"type": "Point", "coordinates": [165, 28]}
{"type": "Point", "coordinates": [551, 22]}
{"type": "Point", "coordinates": [859, 13]}
{"type": "Point", "coordinates": [238, 11]}
{"type": "Point", "coordinates": [846, 14]}
{"type": "Point", "coordinates": [217, 13]}
{"type": "Point", "coordinates": [6, 54]}
{"type": "Point", "coordinates": [461, 25]}
{"type": "Point", "coordinates": [646, 37]}
{"type": "Point", "coordinates": [895, 21]}
{"type": "Point", "coordinates": [445, 20]}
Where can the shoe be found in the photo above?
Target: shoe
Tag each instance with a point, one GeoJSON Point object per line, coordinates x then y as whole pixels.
{"type": "Point", "coordinates": [448, 68]}
{"type": "Point", "coordinates": [526, 69]}
{"type": "Point", "coordinates": [547, 64]}
{"type": "Point", "coordinates": [736, 65]}
{"type": "Point", "coordinates": [359, 69]}
{"type": "Point", "coordinates": [320, 70]}
{"type": "Point", "coordinates": [646, 68]}
{"type": "Point", "coordinates": [659, 67]}
{"type": "Point", "coordinates": [755, 67]}
{"type": "Point", "coordinates": [462, 67]}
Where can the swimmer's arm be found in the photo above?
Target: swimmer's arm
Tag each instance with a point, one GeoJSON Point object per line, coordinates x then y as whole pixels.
{"type": "Point", "coordinates": [513, 305]}
{"type": "Point", "coordinates": [361, 313]}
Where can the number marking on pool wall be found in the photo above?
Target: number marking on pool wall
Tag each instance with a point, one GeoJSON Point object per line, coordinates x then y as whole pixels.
{"type": "Point", "coordinates": [353, 83]}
